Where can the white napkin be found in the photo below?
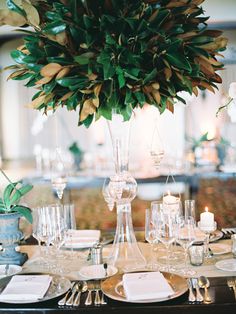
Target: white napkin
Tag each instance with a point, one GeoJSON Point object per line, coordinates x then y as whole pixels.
{"type": "Point", "coordinates": [145, 286]}
{"type": "Point", "coordinates": [82, 238]}
{"type": "Point", "coordinates": [26, 287]}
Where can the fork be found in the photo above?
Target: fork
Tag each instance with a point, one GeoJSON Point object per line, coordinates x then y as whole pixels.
{"type": "Point", "coordinates": [199, 297]}
{"type": "Point", "coordinates": [231, 284]}
{"type": "Point", "coordinates": [97, 288]}
{"type": "Point", "coordinates": [75, 289]}
{"type": "Point", "coordinates": [62, 302]}
{"type": "Point", "coordinates": [89, 300]}
{"type": "Point", "coordinates": [83, 288]}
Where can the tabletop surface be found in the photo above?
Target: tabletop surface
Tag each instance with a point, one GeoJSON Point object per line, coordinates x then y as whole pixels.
{"type": "Point", "coordinates": [222, 296]}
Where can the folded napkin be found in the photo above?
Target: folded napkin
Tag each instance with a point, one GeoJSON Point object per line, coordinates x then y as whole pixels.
{"type": "Point", "coordinates": [82, 238]}
{"type": "Point", "coordinates": [26, 288]}
{"type": "Point", "coordinates": [145, 286]}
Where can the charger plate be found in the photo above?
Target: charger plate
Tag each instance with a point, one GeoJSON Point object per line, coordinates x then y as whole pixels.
{"type": "Point", "coordinates": [58, 286]}
{"type": "Point", "coordinates": [113, 288]}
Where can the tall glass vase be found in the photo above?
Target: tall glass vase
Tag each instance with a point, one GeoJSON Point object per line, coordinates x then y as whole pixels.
{"type": "Point", "coordinates": [122, 190]}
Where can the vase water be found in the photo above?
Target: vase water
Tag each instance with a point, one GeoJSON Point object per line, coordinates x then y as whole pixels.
{"type": "Point", "coordinates": [122, 189]}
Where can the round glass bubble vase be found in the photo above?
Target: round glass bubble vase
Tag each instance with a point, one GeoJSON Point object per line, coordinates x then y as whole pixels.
{"type": "Point", "coordinates": [122, 189]}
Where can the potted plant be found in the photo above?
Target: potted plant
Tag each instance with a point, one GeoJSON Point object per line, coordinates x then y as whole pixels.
{"type": "Point", "coordinates": [10, 212]}
{"type": "Point", "coordinates": [77, 153]}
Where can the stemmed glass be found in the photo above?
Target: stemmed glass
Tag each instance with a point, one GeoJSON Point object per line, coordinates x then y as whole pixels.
{"type": "Point", "coordinates": [185, 236]}
{"type": "Point", "coordinates": [189, 210]}
{"type": "Point", "coordinates": [166, 232]}
{"type": "Point", "coordinates": [151, 232]}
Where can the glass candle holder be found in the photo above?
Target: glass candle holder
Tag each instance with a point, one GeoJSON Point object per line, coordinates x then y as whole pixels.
{"type": "Point", "coordinates": [196, 255]}
{"type": "Point", "coordinates": [207, 230]}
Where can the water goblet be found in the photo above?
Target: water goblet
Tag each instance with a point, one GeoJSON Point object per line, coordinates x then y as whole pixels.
{"type": "Point", "coordinates": [166, 233]}
{"type": "Point", "coordinates": [151, 232]}
{"type": "Point", "coordinates": [189, 210]}
{"type": "Point", "coordinates": [185, 237]}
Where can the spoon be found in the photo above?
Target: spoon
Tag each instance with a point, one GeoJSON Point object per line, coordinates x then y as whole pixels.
{"type": "Point", "coordinates": [204, 283]}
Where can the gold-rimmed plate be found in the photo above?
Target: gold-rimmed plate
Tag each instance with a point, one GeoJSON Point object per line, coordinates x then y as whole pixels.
{"type": "Point", "coordinates": [58, 286]}
{"type": "Point", "coordinates": [113, 288]}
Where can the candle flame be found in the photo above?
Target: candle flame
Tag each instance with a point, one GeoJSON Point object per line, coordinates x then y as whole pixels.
{"type": "Point", "coordinates": [206, 209]}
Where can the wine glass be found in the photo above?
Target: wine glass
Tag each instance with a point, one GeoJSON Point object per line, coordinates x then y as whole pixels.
{"type": "Point", "coordinates": [151, 231]}
{"type": "Point", "coordinates": [166, 232]}
{"type": "Point", "coordinates": [58, 174]}
{"type": "Point", "coordinates": [189, 210]}
{"type": "Point", "coordinates": [185, 236]}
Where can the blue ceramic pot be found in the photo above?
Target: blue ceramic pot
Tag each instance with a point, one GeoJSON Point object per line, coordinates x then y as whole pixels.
{"type": "Point", "coordinates": [10, 235]}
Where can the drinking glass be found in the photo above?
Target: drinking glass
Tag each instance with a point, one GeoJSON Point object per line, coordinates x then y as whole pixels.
{"type": "Point", "coordinates": [189, 210]}
{"type": "Point", "coordinates": [151, 232]}
{"type": "Point", "coordinates": [166, 232]}
{"type": "Point", "coordinates": [185, 237]}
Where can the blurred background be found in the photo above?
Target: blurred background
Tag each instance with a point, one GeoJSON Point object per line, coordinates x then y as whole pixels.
{"type": "Point", "coordinates": [200, 148]}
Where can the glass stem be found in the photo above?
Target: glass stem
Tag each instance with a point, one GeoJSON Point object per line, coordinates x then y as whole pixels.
{"type": "Point", "coordinates": [207, 255]}
{"type": "Point", "coordinates": [186, 259]}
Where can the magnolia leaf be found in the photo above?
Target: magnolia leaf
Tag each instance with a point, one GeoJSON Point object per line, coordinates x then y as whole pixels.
{"type": "Point", "coordinates": [207, 86]}
{"type": "Point", "coordinates": [97, 89]}
{"type": "Point", "coordinates": [155, 85]}
{"type": "Point", "coordinates": [16, 74]}
{"type": "Point", "coordinates": [37, 102]}
{"type": "Point", "coordinates": [179, 61]}
{"type": "Point", "coordinates": [66, 96]}
{"type": "Point", "coordinates": [63, 73]}
{"type": "Point", "coordinates": [84, 58]}
{"type": "Point", "coordinates": [14, 5]}
{"type": "Point", "coordinates": [156, 96]}
{"type": "Point", "coordinates": [87, 109]}
{"type": "Point", "coordinates": [169, 106]}
{"type": "Point", "coordinates": [31, 13]}
{"type": "Point", "coordinates": [8, 17]}
{"type": "Point", "coordinates": [51, 69]}
{"type": "Point", "coordinates": [96, 102]}
{"type": "Point", "coordinates": [61, 38]}
{"type": "Point", "coordinates": [44, 80]}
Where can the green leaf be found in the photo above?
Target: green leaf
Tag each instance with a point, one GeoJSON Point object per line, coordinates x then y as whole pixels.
{"type": "Point", "coordinates": [179, 61]}
{"type": "Point", "coordinates": [7, 193]}
{"type": "Point", "coordinates": [121, 78]}
{"type": "Point", "coordinates": [54, 28]}
{"type": "Point", "coordinates": [71, 80]}
{"type": "Point", "coordinates": [13, 7]}
{"type": "Point", "coordinates": [18, 56]}
{"type": "Point", "coordinates": [19, 193]}
{"type": "Point", "coordinates": [84, 58]}
{"type": "Point", "coordinates": [140, 98]}
{"type": "Point", "coordinates": [24, 211]}
{"type": "Point", "coordinates": [87, 122]}
{"type": "Point", "coordinates": [150, 76]}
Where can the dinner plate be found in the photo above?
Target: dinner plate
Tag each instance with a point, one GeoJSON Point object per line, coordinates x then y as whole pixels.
{"type": "Point", "coordinates": [13, 269]}
{"type": "Point", "coordinates": [97, 271]}
{"type": "Point", "coordinates": [218, 248]}
{"type": "Point", "coordinates": [227, 264]}
{"type": "Point", "coordinates": [113, 288]}
{"type": "Point", "coordinates": [59, 285]}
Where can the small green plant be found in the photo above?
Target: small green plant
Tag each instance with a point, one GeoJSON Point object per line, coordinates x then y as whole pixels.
{"type": "Point", "coordinates": [12, 194]}
{"type": "Point", "coordinates": [197, 142]}
{"type": "Point", "coordinates": [75, 149]}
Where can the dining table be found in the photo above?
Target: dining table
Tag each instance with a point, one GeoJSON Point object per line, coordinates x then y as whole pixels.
{"type": "Point", "coordinates": [72, 260]}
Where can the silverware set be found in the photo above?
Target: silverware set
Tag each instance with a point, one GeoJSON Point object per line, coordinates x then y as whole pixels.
{"type": "Point", "coordinates": [195, 294]}
{"type": "Point", "coordinates": [231, 282]}
{"type": "Point", "coordinates": [94, 296]}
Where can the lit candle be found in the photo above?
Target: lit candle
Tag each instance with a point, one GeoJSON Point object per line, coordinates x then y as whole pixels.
{"type": "Point", "coordinates": [171, 203]}
{"type": "Point", "coordinates": [207, 219]}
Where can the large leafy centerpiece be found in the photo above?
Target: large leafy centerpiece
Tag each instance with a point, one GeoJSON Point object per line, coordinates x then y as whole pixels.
{"type": "Point", "coordinates": [106, 54]}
